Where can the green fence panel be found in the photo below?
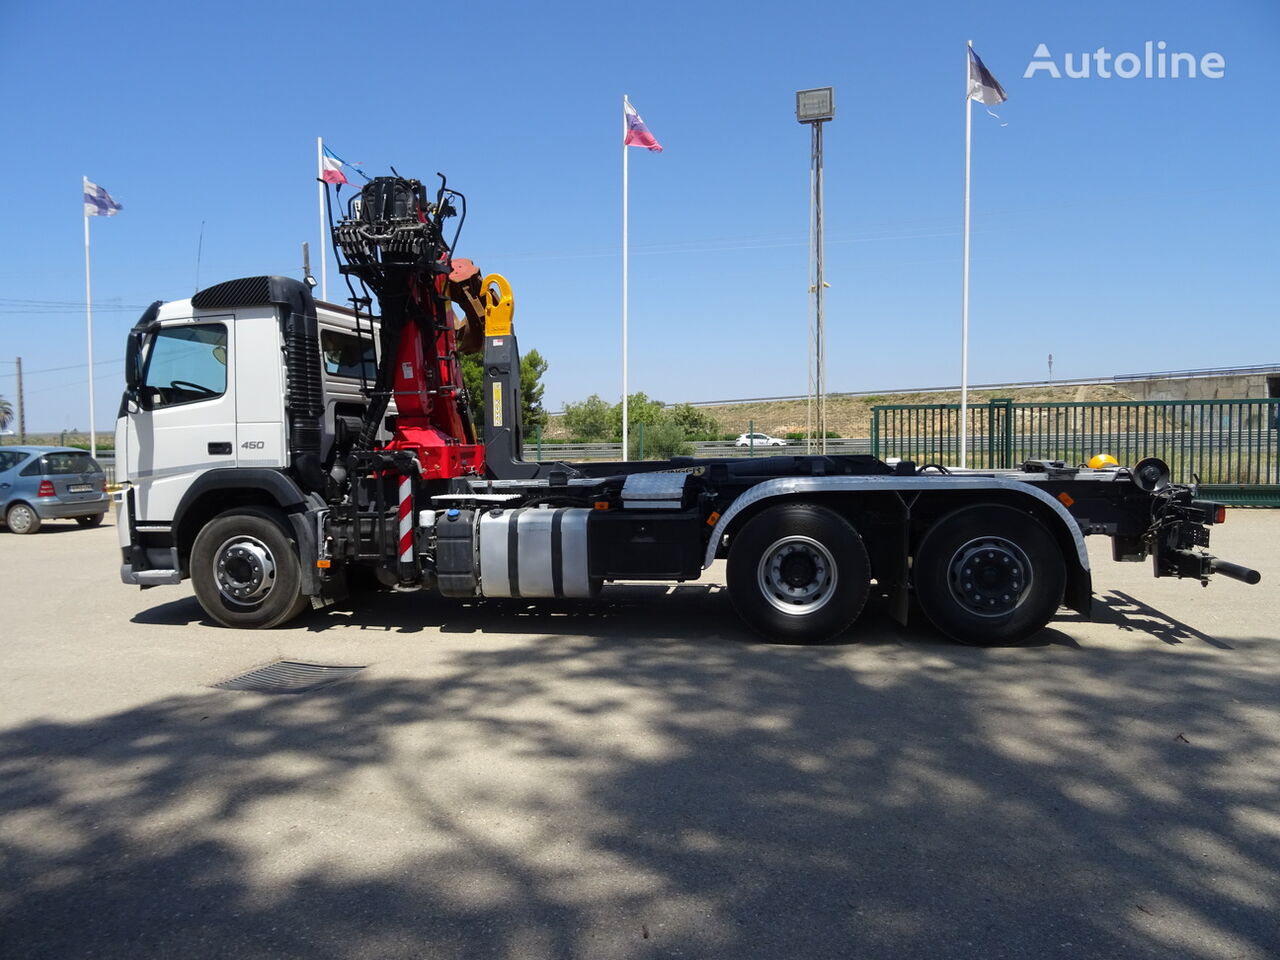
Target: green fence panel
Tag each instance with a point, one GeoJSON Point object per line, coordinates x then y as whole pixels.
{"type": "Point", "coordinates": [1232, 444]}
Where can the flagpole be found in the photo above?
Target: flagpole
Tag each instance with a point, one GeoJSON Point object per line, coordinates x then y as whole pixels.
{"type": "Point", "coordinates": [321, 198]}
{"type": "Point", "coordinates": [625, 173]}
{"type": "Point", "coordinates": [964, 309]}
{"type": "Point", "coordinates": [88, 319]}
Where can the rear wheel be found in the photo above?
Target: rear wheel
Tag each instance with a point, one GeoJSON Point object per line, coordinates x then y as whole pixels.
{"type": "Point", "coordinates": [246, 571]}
{"type": "Point", "coordinates": [22, 518]}
{"type": "Point", "coordinates": [90, 521]}
{"type": "Point", "coordinates": [989, 575]}
{"type": "Point", "coordinates": [798, 572]}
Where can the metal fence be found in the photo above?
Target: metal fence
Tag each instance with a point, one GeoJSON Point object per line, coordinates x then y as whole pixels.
{"type": "Point", "coordinates": [1233, 445]}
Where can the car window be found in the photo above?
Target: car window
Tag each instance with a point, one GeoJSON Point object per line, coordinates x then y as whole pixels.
{"type": "Point", "coordinates": [32, 469]}
{"type": "Point", "coordinates": [59, 464]}
{"type": "Point", "coordinates": [10, 459]}
{"type": "Point", "coordinates": [348, 356]}
{"type": "Point", "coordinates": [186, 364]}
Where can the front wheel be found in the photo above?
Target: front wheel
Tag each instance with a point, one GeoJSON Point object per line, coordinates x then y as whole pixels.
{"type": "Point", "coordinates": [246, 571]}
{"type": "Point", "coordinates": [798, 572]}
{"type": "Point", "coordinates": [22, 518]}
{"type": "Point", "coordinates": [90, 521]}
{"type": "Point", "coordinates": [989, 575]}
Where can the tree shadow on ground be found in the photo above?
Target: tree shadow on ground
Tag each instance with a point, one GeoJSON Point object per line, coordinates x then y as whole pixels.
{"type": "Point", "coordinates": [594, 796]}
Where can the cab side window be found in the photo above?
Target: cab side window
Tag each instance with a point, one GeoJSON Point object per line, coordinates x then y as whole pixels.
{"type": "Point", "coordinates": [185, 365]}
{"type": "Point", "coordinates": [348, 356]}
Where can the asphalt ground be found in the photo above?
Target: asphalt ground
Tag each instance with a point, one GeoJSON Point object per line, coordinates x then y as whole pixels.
{"type": "Point", "coordinates": [639, 777]}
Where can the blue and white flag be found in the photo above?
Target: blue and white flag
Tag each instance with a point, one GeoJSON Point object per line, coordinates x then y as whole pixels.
{"type": "Point", "coordinates": [97, 202]}
{"type": "Point", "coordinates": [983, 87]}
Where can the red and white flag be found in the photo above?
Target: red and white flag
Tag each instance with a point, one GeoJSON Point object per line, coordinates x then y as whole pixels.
{"type": "Point", "coordinates": [638, 134]}
{"type": "Point", "coordinates": [331, 169]}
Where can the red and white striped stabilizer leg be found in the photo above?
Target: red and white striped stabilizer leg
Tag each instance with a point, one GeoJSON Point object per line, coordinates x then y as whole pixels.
{"type": "Point", "coordinates": [406, 521]}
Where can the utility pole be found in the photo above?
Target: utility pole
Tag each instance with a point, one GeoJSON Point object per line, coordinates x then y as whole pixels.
{"type": "Point", "coordinates": [22, 407]}
{"type": "Point", "coordinates": [1051, 368]}
{"type": "Point", "coordinates": [815, 107]}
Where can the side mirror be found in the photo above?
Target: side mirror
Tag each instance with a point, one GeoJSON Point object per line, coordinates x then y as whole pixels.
{"type": "Point", "coordinates": [133, 363]}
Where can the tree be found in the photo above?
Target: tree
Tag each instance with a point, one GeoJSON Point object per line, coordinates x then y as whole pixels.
{"type": "Point", "coordinates": [697, 423]}
{"type": "Point", "coordinates": [640, 409]}
{"type": "Point", "coordinates": [589, 420]}
{"type": "Point", "coordinates": [532, 367]}
{"type": "Point", "coordinates": [6, 413]}
{"type": "Point", "coordinates": [472, 367]}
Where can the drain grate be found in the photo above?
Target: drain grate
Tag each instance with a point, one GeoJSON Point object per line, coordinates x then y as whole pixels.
{"type": "Point", "coordinates": [288, 676]}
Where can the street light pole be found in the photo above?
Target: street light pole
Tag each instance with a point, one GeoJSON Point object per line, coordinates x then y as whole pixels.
{"type": "Point", "coordinates": [816, 107]}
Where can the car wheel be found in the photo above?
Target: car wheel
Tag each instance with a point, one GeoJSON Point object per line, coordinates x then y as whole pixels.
{"type": "Point", "coordinates": [246, 571]}
{"type": "Point", "coordinates": [798, 572]}
{"type": "Point", "coordinates": [22, 519]}
{"type": "Point", "coordinates": [989, 575]}
{"type": "Point", "coordinates": [90, 521]}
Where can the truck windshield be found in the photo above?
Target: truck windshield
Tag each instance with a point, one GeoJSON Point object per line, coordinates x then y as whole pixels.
{"type": "Point", "coordinates": [186, 364]}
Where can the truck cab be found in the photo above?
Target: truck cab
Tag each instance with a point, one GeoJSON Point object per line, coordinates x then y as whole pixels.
{"type": "Point", "coordinates": [253, 375]}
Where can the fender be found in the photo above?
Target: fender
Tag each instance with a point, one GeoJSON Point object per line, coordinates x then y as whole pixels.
{"type": "Point", "coordinates": [1079, 580]}
{"type": "Point", "coordinates": [287, 494]}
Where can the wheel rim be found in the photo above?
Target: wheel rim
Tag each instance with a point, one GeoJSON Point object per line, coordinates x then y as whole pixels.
{"type": "Point", "coordinates": [244, 570]}
{"type": "Point", "coordinates": [797, 575]}
{"type": "Point", "coordinates": [20, 519]}
{"type": "Point", "coordinates": [989, 576]}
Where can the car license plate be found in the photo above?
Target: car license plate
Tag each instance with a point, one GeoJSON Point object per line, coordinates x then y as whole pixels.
{"type": "Point", "coordinates": [80, 488]}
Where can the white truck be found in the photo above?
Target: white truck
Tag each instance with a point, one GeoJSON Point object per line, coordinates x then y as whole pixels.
{"type": "Point", "coordinates": [273, 446]}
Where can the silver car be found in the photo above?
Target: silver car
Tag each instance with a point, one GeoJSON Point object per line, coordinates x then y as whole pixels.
{"type": "Point", "coordinates": [50, 483]}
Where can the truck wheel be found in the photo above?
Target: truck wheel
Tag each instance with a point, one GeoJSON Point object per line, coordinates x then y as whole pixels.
{"type": "Point", "coordinates": [22, 518]}
{"type": "Point", "coordinates": [798, 572]}
{"type": "Point", "coordinates": [989, 575]}
{"type": "Point", "coordinates": [245, 570]}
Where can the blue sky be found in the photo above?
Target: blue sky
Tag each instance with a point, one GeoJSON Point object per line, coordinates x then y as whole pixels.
{"type": "Point", "coordinates": [1121, 225]}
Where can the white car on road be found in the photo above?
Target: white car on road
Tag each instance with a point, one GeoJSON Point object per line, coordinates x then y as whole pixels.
{"type": "Point", "coordinates": [759, 440]}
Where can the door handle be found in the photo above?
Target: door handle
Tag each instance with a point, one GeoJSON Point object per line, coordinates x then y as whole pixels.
{"type": "Point", "coordinates": [222, 448]}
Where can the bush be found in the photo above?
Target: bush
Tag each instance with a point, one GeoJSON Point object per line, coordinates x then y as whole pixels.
{"type": "Point", "coordinates": [697, 423]}
{"type": "Point", "coordinates": [663, 440]}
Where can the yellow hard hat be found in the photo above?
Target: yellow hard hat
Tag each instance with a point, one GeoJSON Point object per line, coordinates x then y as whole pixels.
{"type": "Point", "coordinates": [1102, 461]}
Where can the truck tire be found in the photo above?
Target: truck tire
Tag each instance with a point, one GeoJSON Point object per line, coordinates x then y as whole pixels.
{"type": "Point", "coordinates": [246, 571]}
{"type": "Point", "coordinates": [22, 518]}
{"type": "Point", "coordinates": [798, 572]}
{"type": "Point", "coordinates": [989, 575]}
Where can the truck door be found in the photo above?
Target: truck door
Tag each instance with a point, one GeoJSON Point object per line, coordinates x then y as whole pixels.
{"type": "Point", "coordinates": [186, 418]}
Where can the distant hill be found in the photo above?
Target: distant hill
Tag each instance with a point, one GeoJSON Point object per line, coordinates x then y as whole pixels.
{"type": "Point", "coordinates": [847, 416]}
